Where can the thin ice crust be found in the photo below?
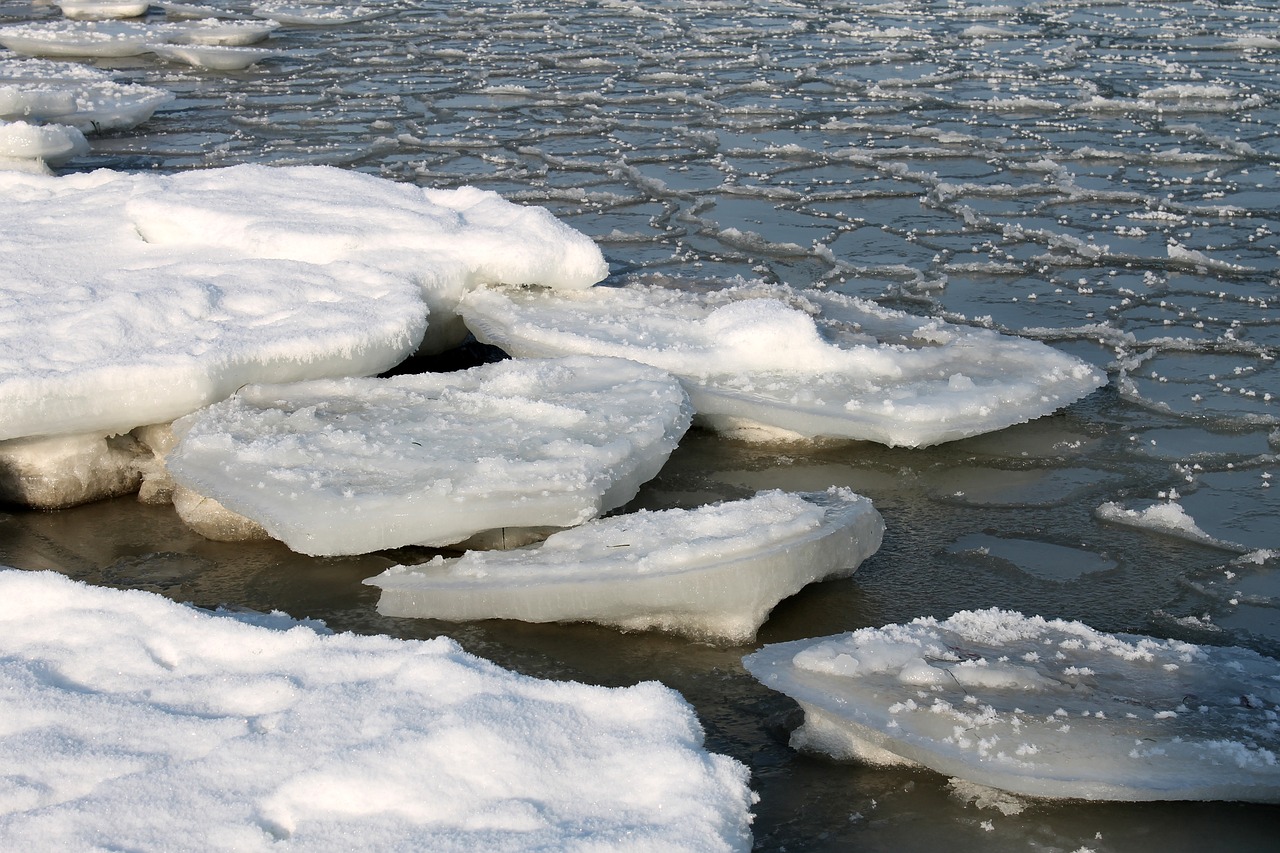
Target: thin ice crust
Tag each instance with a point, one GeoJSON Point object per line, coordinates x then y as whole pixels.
{"type": "Point", "coordinates": [713, 573]}
{"type": "Point", "coordinates": [357, 465]}
{"type": "Point", "coordinates": [1041, 708]}
{"type": "Point", "coordinates": [804, 363]}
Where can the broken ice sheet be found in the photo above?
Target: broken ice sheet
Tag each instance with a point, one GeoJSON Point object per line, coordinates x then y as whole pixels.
{"type": "Point", "coordinates": [357, 465]}
{"type": "Point", "coordinates": [784, 362]}
{"type": "Point", "coordinates": [713, 573]}
{"type": "Point", "coordinates": [1043, 560]}
{"type": "Point", "coordinates": [1039, 707]}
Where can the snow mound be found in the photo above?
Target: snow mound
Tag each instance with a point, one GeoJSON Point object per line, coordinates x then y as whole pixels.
{"type": "Point", "coordinates": [357, 465]}
{"type": "Point", "coordinates": [711, 573]}
{"type": "Point", "coordinates": [805, 363]}
{"type": "Point", "coordinates": [136, 723]}
{"type": "Point", "coordinates": [1039, 707]}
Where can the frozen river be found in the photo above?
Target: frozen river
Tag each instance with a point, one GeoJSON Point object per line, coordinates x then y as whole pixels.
{"type": "Point", "coordinates": [1099, 176]}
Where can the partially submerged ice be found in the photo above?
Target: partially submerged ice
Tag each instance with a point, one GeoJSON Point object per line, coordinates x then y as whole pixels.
{"type": "Point", "coordinates": [136, 723]}
{"type": "Point", "coordinates": [713, 573]}
{"type": "Point", "coordinates": [788, 362]}
{"type": "Point", "coordinates": [1039, 707]}
{"type": "Point", "coordinates": [44, 91]}
{"type": "Point", "coordinates": [358, 465]}
{"type": "Point", "coordinates": [134, 299]}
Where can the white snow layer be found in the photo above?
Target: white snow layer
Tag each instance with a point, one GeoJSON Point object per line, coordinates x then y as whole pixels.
{"type": "Point", "coordinates": [1040, 707]}
{"type": "Point", "coordinates": [810, 363]}
{"type": "Point", "coordinates": [131, 722]}
{"type": "Point", "coordinates": [131, 299]}
{"type": "Point", "coordinates": [711, 573]}
{"type": "Point", "coordinates": [357, 465]}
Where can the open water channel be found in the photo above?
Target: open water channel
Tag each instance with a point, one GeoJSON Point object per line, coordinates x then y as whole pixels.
{"type": "Point", "coordinates": [1098, 175]}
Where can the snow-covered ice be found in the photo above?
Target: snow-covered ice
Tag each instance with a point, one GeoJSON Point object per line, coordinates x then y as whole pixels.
{"type": "Point", "coordinates": [101, 10]}
{"type": "Point", "coordinates": [52, 144]}
{"type": "Point", "coordinates": [711, 573]}
{"type": "Point", "coordinates": [132, 722]}
{"type": "Point", "coordinates": [133, 299]}
{"type": "Point", "coordinates": [113, 38]}
{"type": "Point", "coordinates": [808, 363]}
{"type": "Point", "coordinates": [314, 14]}
{"type": "Point", "coordinates": [1039, 707]}
{"type": "Point", "coordinates": [88, 99]}
{"type": "Point", "coordinates": [357, 465]}
{"type": "Point", "coordinates": [213, 56]}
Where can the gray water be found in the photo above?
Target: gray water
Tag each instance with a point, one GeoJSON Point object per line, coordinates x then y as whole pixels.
{"type": "Point", "coordinates": [1100, 176]}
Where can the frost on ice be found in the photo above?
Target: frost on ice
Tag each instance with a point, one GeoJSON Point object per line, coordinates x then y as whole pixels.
{"type": "Point", "coordinates": [808, 363]}
{"type": "Point", "coordinates": [136, 723]}
{"type": "Point", "coordinates": [1040, 707]}
{"type": "Point", "coordinates": [41, 90]}
{"type": "Point", "coordinates": [134, 299]}
{"type": "Point", "coordinates": [357, 465]}
{"type": "Point", "coordinates": [711, 573]}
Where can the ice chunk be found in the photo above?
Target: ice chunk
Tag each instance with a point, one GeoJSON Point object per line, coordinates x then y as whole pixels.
{"type": "Point", "coordinates": [214, 57]}
{"type": "Point", "coordinates": [79, 38]}
{"type": "Point", "coordinates": [132, 299]}
{"type": "Point", "coordinates": [808, 363]}
{"type": "Point", "coordinates": [446, 240]}
{"type": "Point", "coordinates": [52, 144]}
{"type": "Point", "coordinates": [102, 10]}
{"type": "Point", "coordinates": [41, 90]}
{"type": "Point", "coordinates": [132, 722]}
{"type": "Point", "coordinates": [58, 472]}
{"type": "Point", "coordinates": [314, 14]}
{"type": "Point", "coordinates": [711, 573]}
{"type": "Point", "coordinates": [357, 465]}
{"type": "Point", "coordinates": [1040, 707]}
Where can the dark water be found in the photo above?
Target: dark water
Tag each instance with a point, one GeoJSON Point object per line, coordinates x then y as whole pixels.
{"type": "Point", "coordinates": [1101, 176]}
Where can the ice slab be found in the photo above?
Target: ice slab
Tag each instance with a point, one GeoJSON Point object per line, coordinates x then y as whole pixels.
{"type": "Point", "coordinates": [102, 10]}
{"type": "Point", "coordinates": [78, 38]}
{"type": "Point", "coordinates": [808, 363]}
{"type": "Point", "coordinates": [66, 470]}
{"type": "Point", "coordinates": [213, 57]}
{"type": "Point", "coordinates": [1040, 707]}
{"type": "Point", "coordinates": [52, 144]}
{"type": "Point", "coordinates": [133, 722]}
{"type": "Point", "coordinates": [133, 299]}
{"type": "Point", "coordinates": [41, 90]}
{"type": "Point", "coordinates": [358, 465]}
{"type": "Point", "coordinates": [713, 573]}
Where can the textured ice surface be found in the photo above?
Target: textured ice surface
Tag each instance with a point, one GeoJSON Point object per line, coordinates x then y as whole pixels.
{"type": "Point", "coordinates": [712, 573]}
{"type": "Point", "coordinates": [132, 722]}
{"type": "Point", "coordinates": [43, 90]}
{"type": "Point", "coordinates": [811, 363]}
{"type": "Point", "coordinates": [132, 299]}
{"type": "Point", "coordinates": [357, 465]}
{"type": "Point", "coordinates": [65, 470]}
{"type": "Point", "coordinates": [1040, 707]}
{"type": "Point", "coordinates": [125, 38]}
{"type": "Point", "coordinates": [213, 56]}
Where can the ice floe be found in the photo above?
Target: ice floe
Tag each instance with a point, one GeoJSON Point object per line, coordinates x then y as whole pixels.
{"type": "Point", "coordinates": [101, 10]}
{"type": "Point", "coordinates": [213, 56]}
{"type": "Point", "coordinates": [165, 293]}
{"type": "Point", "coordinates": [315, 14]}
{"type": "Point", "coordinates": [52, 144]}
{"type": "Point", "coordinates": [113, 38]}
{"type": "Point", "coordinates": [711, 573]}
{"type": "Point", "coordinates": [809, 363]}
{"type": "Point", "coordinates": [138, 723]}
{"type": "Point", "coordinates": [357, 465]}
{"type": "Point", "coordinates": [41, 90]}
{"type": "Point", "coordinates": [1039, 707]}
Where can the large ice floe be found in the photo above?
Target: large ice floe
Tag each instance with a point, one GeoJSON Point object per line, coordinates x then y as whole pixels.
{"type": "Point", "coordinates": [712, 573]}
{"type": "Point", "coordinates": [134, 299]}
{"type": "Point", "coordinates": [110, 38]}
{"type": "Point", "coordinates": [132, 722]}
{"type": "Point", "coordinates": [1039, 707]}
{"type": "Point", "coordinates": [357, 465]}
{"type": "Point", "coordinates": [810, 363]}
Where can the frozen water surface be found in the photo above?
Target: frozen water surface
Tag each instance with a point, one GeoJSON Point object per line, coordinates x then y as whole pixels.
{"type": "Point", "coordinates": [1101, 177]}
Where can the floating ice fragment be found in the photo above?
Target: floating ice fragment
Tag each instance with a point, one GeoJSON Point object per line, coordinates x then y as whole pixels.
{"type": "Point", "coordinates": [136, 723]}
{"type": "Point", "coordinates": [1167, 517]}
{"type": "Point", "coordinates": [79, 38]}
{"type": "Point", "coordinates": [1118, 688]}
{"type": "Point", "coordinates": [712, 573]}
{"type": "Point", "coordinates": [52, 144]}
{"type": "Point", "coordinates": [801, 363]}
{"type": "Point", "coordinates": [211, 56]}
{"type": "Point", "coordinates": [85, 98]}
{"type": "Point", "coordinates": [357, 465]}
{"type": "Point", "coordinates": [316, 14]}
{"type": "Point", "coordinates": [102, 10]}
